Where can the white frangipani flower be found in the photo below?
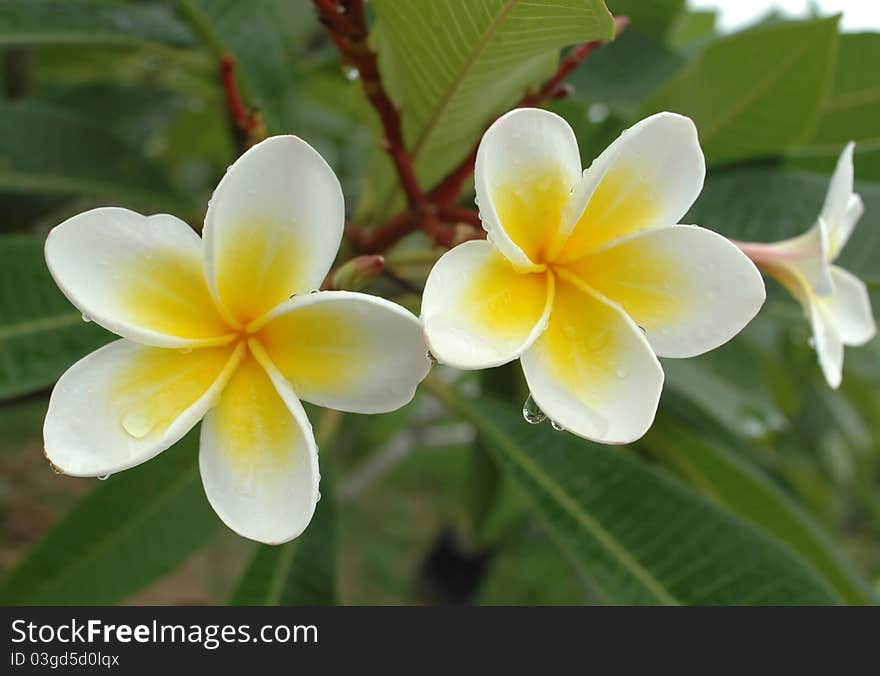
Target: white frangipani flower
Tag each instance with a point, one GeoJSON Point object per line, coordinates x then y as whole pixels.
{"type": "Point", "coordinates": [585, 276]}
{"type": "Point", "coordinates": [835, 302]}
{"type": "Point", "coordinates": [210, 329]}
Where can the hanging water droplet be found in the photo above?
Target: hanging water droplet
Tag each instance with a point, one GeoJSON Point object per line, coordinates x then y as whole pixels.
{"type": "Point", "coordinates": [811, 342]}
{"type": "Point", "coordinates": [136, 424]}
{"type": "Point", "coordinates": [104, 477]}
{"type": "Point", "coordinates": [351, 73]}
{"type": "Point", "coordinates": [430, 357]}
{"type": "Point", "coordinates": [532, 413]}
{"type": "Point", "coordinates": [621, 372]}
{"type": "Point", "coordinates": [86, 318]}
{"type": "Point", "coordinates": [55, 468]}
{"type": "Point", "coordinates": [314, 291]}
{"type": "Point", "coordinates": [556, 426]}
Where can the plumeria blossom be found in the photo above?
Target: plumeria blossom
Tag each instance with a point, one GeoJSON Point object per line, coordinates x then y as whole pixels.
{"type": "Point", "coordinates": [585, 277]}
{"type": "Point", "coordinates": [835, 302]}
{"type": "Point", "coordinates": [223, 329]}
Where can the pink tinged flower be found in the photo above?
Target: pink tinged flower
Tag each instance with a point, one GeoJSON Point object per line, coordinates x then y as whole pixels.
{"type": "Point", "coordinates": [586, 277]}
{"type": "Point", "coordinates": [835, 302]}
{"type": "Point", "coordinates": [223, 329]}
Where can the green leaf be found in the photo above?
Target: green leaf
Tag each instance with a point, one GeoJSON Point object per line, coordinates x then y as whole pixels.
{"type": "Point", "coordinates": [651, 18]}
{"type": "Point", "coordinates": [48, 151]}
{"type": "Point", "coordinates": [41, 333]}
{"type": "Point", "coordinates": [87, 22]}
{"type": "Point", "coordinates": [298, 573]}
{"type": "Point", "coordinates": [265, 36]}
{"type": "Point", "coordinates": [756, 92]}
{"type": "Point", "coordinates": [692, 29]}
{"type": "Point", "coordinates": [623, 74]}
{"type": "Point", "coordinates": [694, 446]}
{"type": "Point", "coordinates": [639, 536]}
{"type": "Point", "coordinates": [849, 112]}
{"type": "Point", "coordinates": [453, 66]}
{"type": "Point", "coordinates": [767, 205]}
{"type": "Point", "coordinates": [130, 531]}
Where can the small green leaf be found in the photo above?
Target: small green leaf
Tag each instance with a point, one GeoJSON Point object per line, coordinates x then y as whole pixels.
{"type": "Point", "coordinates": [130, 531]}
{"type": "Point", "coordinates": [41, 333]}
{"type": "Point", "coordinates": [298, 573]}
{"type": "Point", "coordinates": [44, 150]}
{"type": "Point", "coordinates": [87, 22]}
{"type": "Point", "coordinates": [756, 92]}
{"type": "Point", "coordinates": [638, 536]}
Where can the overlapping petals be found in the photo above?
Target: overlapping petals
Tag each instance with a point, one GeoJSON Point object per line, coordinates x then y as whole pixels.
{"type": "Point", "coordinates": [243, 351]}
{"type": "Point", "coordinates": [586, 277]}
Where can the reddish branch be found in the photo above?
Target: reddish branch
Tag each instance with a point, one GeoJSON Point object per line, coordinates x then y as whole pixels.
{"type": "Point", "coordinates": [345, 22]}
{"type": "Point", "coordinates": [246, 123]}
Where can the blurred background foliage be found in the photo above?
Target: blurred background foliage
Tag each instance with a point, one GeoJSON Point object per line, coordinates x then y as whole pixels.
{"type": "Point", "coordinates": [757, 484]}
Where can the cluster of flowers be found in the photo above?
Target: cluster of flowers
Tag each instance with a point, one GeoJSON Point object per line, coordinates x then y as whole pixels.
{"type": "Point", "coordinates": [586, 277]}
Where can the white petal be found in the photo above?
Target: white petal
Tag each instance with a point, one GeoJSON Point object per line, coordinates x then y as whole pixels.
{"type": "Point", "coordinates": [124, 403]}
{"type": "Point", "coordinates": [842, 208]}
{"type": "Point", "coordinates": [848, 308]}
{"type": "Point", "coordinates": [649, 177]}
{"type": "Point", "coordinates": [478, 311]}
{"type": "Point", "coordinates": [689, 288]}
{"type": "Point", "coordinates": [592, 371]}
{"type": "Point", "coordinates": [138, 276]}
{"type": "Point", "coordinates": [258, 458]}
{"type": "Point", "coordinates": [803, 258]}
{"type": "Point", "coordinates": [273, 227]}
{"type": "Point", "coordinates": [347, 351]}
{"type": "Point", "coordinates": [829, 347]}
{"type": "Point", "coordinates": [527, 164]}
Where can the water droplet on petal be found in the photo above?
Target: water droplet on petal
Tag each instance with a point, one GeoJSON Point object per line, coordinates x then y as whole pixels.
{"type": "Point", "coordinates": [621, 372]}
{"type": "Point", "coordinates": [185, 350]}
{"type": "Point", "coordinates": [556, 426]}
{"type": "Point", "coordinates": [430, 357]}
{"type": "Point", "coordinates": [136, 424]}
{"type": "Point", "coordinates": [811, 341]}
{"type": "Point", "coordinates": [532, 413]}
{"type": "Point", "coordinates": [570, 332]}
{"type": "Point", "coordinates": [86, 318]}
{"type": "Point", "coordinates": [55, 468]}
{"type": "Point", "coordinates": [104, 477]}
{"type": "Point", "coordinates": [314, 291]}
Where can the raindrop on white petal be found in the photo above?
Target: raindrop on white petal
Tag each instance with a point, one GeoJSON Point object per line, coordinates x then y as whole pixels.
{"type": "Point", "coordinates": [532, 413]}
{"type": "Point", "coordinates": [104, 477]}
{"type": "Point", "coordinates": [621, 372]}
{"type": "Point", "coordinates": [86, 318]}
{"type": "Point", "coordinates": [136, 424]}
{"type": "Point", "coordinates": [811, 341]}
{"type": "Point", "coordinates": [556, 426]}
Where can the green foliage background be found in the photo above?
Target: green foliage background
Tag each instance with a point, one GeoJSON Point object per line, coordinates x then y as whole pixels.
{"type": "Point", "coordinates": [757, 483]}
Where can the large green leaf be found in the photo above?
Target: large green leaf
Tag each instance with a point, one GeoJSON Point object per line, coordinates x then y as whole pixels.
{"type": "Point", "coordinates": [768, 205]}
{"type": "Point", "coordinates": [452, 66]}
{"type": "Point", "coordinates": [756, 92]}
{"type": "Point", "coordinates": [265, 37]}
{"type": "Point", "coordinates": [849, 112]}
{"type": "Point", "coordinates": [41, 333]}
{"type": "Point", "coordinates": [693, 445]}
{"type": "Point", "coordinates": [639, 536]}
{"type": "Point", "coordinates": [298, 573]}
{"type": "Point", "coordinates": [131, 530]}
{"type": "Point", "coordinates": [44, 150]}
{"type": "Point", "coordinates": [87, 22]}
